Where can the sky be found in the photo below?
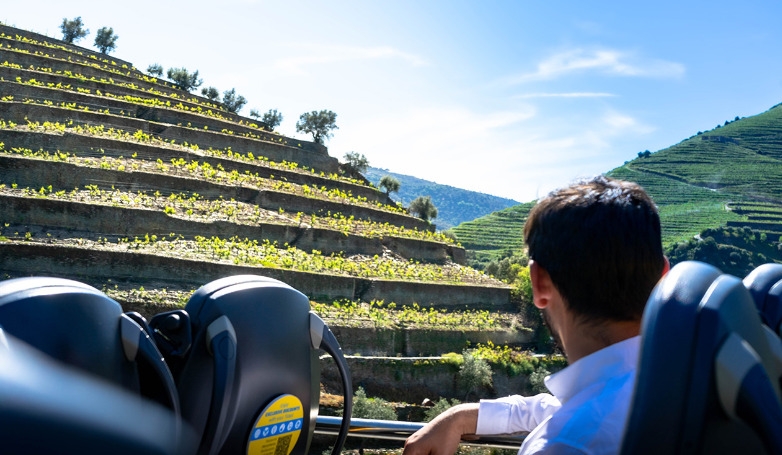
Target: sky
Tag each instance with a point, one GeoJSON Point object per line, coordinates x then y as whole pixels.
{"type": "Point", "coordinates": [509, 98]}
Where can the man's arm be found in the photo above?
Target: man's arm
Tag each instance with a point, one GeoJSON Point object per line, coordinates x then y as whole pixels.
{"type": "Point", "coordinates": [441, 436]}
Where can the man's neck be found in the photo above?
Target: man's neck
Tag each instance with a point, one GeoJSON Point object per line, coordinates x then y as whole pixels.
{"type": "Point", "coordinates": [584, 339]}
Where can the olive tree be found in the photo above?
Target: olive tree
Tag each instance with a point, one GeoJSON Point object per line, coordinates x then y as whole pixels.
{"type": "Point", "coordinates": [106, 40]}
{"type": "Point", "coordinates": [183, 79]}
{"type": "Point", "coordinates": [73, 30]}
{"type": "Point", "coordinates": [272, 119]}
{"type": "Point", "coordinates": [233, 103]}
{"type": "Point", "coordinates": [474, 373]}
{"type": "Point", "coordinates": [155, 69]}
{"type": "Point", "coordinates": [211, 93]}
{"type": "Point", "coordinates": [355, 164]}
{"type": "Point", "coordinates": [317, 123]}
{"type": "Point", "coordinates": [423, 208]}
{"type": "Point", "coordinates": [390, 184]}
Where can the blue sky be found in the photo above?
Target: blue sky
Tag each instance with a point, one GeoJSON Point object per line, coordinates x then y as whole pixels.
{"type": "Point", "coordinates": [510, 98]}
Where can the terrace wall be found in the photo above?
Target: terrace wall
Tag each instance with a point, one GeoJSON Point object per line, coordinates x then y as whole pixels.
{"type": "Point", "coordinates": [94, 266]}
{"type": "Point", "coordinates": [107, 221]}
{"type": "Point", "coordinates": [413, 379]}
{"type": "Point", "coordinates": [13, 31]}
{"type": "Point", "coordinates": [28, 172]}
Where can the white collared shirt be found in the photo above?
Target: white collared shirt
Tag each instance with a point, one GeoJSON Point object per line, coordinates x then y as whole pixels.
{"type": "Point", "coordinates": [585, 415]}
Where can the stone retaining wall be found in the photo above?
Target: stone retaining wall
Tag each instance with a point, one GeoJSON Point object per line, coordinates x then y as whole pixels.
{"type": "Point", "coordinates": [106, 221]}
{"type": "Point", "coordinates": [226, 120]}
{"type": "Point", "coordinates": [69, 142]}
{"type": "Point", "coordinates": [21, 258]}
{"type": "Point", "coordinates": [301, 153]}
{"type": "Point", "coordinates": [412, 380]}
{"type": "Point", "coordinates": [28, 172]}
{"type": "Point", "coordinates": [13, 31]}
{"type": "Point", "coordinates": [411, 342]}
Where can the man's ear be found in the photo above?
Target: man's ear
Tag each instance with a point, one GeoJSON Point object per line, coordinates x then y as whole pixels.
{"type": "Point", "coordinates": [542, 286]}
{"type": "Point", "coordinates": [666, 266]}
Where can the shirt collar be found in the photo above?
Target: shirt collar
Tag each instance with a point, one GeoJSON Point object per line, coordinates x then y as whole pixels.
{"type": "Point", "coordinates": [611, 361]}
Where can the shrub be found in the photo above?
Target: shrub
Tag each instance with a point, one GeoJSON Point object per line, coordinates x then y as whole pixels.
{"type": "Point", "coordinates": [536, 383]}
{"type": "Point", "coordinates": [474, 373]}
{"type": "Point", "coordinates": [372, 408]}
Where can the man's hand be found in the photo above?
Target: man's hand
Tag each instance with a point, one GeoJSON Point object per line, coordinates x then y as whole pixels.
{"type": "Point", "coordinates": [441, 436]}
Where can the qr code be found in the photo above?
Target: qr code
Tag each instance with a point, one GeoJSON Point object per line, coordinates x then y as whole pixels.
{"type": "Point", "coordinates": [282, 445]}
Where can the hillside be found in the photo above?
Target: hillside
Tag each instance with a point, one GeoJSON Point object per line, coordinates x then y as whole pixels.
{"type": "Point", "coordinates": [454, 205]}
{"type": "Point", "coordinates": [729, 177]}
{"type": "Point", "coordinates": [118, 179]}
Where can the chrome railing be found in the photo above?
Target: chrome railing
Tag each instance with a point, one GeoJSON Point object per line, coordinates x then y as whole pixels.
{"type": "Point", "coordinates": [399, 431]}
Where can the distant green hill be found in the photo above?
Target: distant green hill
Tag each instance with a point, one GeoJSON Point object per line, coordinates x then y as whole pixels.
{"type": "Point", "coordinates": [730, 176]}
{"type": "Point", "coordinates": [454, 205]}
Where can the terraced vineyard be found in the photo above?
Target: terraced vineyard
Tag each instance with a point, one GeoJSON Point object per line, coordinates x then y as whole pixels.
{"type": "Point", "coordinates": [120, 180]}
{"type": "Point", "coordinates": [494, 235]}
{"type": "Point", "coordinates": [730, 176]}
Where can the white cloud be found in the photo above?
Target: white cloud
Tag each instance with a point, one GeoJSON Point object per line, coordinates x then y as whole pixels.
{"type": "Point", "coordinates": [514, 154]}
{"type": "Point", "coordinates": [325, 54]}
{"type": "Point", "coordinates": [565, 95]}
{"type": "Point", "coordinates": [617, 123]}
{"type": "Point", "coordinates": [611, 62]}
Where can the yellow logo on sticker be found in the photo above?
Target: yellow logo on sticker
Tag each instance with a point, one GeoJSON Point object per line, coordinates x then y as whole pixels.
{"type": "Point", "coordinates": [277, 428]}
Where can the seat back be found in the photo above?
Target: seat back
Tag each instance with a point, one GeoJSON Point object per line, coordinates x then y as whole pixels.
{"type": "Point", "coordinates": [250, 379]}
{"type": "Point", "coordinates": [82, 327]}
{"type": "Point", "coordinates": [765, 285]}
{"type": "Point", "coordinates": [703, 382]}
{"type": "Point", "coordinates": [47, 406]}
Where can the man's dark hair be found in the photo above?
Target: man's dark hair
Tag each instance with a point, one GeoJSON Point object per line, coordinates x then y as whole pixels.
{"type": "Point", "coordinates": [599, 241]}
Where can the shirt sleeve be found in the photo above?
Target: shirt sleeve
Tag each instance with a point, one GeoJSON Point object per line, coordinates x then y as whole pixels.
{"type": "Point", "coordinates": [514, 413]}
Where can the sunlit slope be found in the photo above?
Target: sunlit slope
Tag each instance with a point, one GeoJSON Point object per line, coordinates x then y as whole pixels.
{"type": "Point", "coordinates": [495, 235]}
{"type": "Point", "coordinates": [729, 176]}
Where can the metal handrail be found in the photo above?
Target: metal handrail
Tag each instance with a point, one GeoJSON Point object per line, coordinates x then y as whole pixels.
{"type": "Point", "coordinates": [399, 431]}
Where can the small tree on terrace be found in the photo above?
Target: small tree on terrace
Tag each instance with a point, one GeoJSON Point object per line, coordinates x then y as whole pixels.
{"type": "Point", "coordinates": [355, 164]}
{"type": "Point", "coordinates": [183, 79]}
{"type": "Point", "coordinates": [233, 102]}
{"type": "Point", "coordinates": [317, 123]}
{"type": "Point", "coordinates": [155, 69]}
{"type": "Point", "coordinates": [106, 40]}
{"type": "Point", "coordinates": [423, 208]}
{"type": "Point", "coordinates": [211, 93]}
{"type": "Point", "coordinates": [73, 30]}
{"type": "Point", "coordinates": [390, 184]}
{"type": "Point", "coordinates": [272, 119]}
{"type": "Point", "coordinates": [474, 373]}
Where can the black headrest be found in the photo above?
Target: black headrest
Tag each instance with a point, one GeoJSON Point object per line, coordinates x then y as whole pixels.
{"type": "Point", "coordinates": [251, 345]}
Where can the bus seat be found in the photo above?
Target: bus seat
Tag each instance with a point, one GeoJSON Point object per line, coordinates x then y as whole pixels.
{"type": "Point", "coordinates": [703, 383]}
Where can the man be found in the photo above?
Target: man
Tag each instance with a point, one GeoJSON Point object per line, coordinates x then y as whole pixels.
{"type": "Point", "coordinates": [595, 256]}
